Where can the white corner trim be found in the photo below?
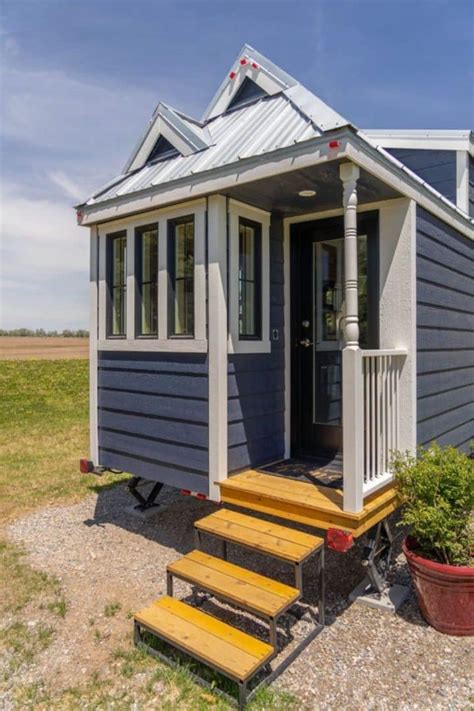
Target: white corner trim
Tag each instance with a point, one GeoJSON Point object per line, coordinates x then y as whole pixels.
{"type": "Point", "coordinates": [287, 332]}
{"type": "Point", "coordinates": [462, 180]}
{"type": "Point", "coordinates": [130, 271]}
{"type": "Point", "coordinates": [198, 344]}
{"type": "Point", "coordinates": [93, 358]}
{"type": "Point", "coordinates": [102, 270]}
{"type": "Point", "coordinates": [217, 305]}
{"type": "Point", "coordinates": [235, 345]}
{"type": "Point", "coordinates": [397, 303]}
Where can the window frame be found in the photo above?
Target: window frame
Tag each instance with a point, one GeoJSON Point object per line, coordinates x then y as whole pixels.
{"type": "Point", "coordinates": [257, 281]}
{"type": "Point", "coordinates": [237, 212]}
{"type": "Point", "coordinates": [163, 344]}
{"type": "Point", "coordinates": [138, 243]}
{"type": "Point", "coordinates": [110, 238]}
{"type": "Point", "coordinates": [172, 278]}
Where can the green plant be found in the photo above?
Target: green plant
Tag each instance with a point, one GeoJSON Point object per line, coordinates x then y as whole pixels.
{"type": "Point", "coordinates": [437, 490]}
{"type": "Point", "coordinates": [111, 609]}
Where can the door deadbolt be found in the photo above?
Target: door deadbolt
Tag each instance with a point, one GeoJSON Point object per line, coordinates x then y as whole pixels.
{"type": "Point", "coordinates": [306, 342]}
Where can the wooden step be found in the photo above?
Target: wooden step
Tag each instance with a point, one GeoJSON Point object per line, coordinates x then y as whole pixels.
{"type": "Point", "coordinates": [303, 502]}
{"type": "Point", "coordinates": [236, 654]}
{"type": "Point", "coordinates": [231, 583]}
{"type": "Point", "coordinates": [270, 538]}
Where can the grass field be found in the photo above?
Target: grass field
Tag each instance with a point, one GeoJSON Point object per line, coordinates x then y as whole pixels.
{"type": "Point", "coordinates": [44, 417]}
{"type": "Point", "coordinates": [44, 433]}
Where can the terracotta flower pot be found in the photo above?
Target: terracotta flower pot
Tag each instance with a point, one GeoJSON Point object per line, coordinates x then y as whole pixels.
{"type": "Point", "coordinates": [445, 592]}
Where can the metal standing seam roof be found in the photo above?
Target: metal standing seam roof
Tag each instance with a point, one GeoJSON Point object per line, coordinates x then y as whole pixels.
{"type": "Point", "coordinates": [268, 124]}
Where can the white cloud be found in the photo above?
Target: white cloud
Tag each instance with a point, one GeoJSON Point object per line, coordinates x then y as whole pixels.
{"type": "Point", "coordinates": [41, 234]}
{"type": "Point", "coordinates": [44, 257]}
{"type": "Point", "coordinates": [66, 184]}
{"type": "Point", "coordinates": [78, 134]}
{"type": "Point", "coordinates": [66, 136]}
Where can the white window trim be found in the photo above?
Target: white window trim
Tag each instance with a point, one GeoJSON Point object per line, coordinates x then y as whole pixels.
{"type": "Point", "coordinates": [235, 345]}
{"type": "Point", "coordinates": [198, 344]}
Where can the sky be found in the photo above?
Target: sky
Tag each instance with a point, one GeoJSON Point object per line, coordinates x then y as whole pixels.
{"type": "Point", "coordinates": [79, 81]}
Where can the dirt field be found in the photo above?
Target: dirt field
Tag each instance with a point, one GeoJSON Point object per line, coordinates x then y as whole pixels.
{"type": "Point", "coordinates": [25, 347]}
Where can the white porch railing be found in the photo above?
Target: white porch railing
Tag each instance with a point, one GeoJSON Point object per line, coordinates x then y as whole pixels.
{"type": "Point", "coordinates": [381, 371]}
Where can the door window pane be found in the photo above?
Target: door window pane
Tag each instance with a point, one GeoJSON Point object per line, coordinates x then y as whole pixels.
{"type": "Point", "coordinates": [147, 280]}
{"type": "Point", "coordinates": [181, 269]}
{"type": "Point", "coordinates": [250, 306]}
{"type": "Point", "coordinates": [117, 283]}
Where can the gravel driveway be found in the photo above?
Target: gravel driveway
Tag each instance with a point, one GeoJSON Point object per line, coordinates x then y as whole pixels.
{"type": "Point", "coordinates": [365, 659]}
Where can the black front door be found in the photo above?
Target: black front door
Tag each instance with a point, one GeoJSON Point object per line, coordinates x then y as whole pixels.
{"type": "Point", "coordinates": [318, 309]}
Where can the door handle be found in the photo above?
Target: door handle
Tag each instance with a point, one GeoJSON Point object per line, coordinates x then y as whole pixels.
{"type": "Point", "coordinates": [306, 342]}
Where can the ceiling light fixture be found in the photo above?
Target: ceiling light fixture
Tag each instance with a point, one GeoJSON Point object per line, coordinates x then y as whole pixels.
{"type": "Point", "coordinates": [307, 193]}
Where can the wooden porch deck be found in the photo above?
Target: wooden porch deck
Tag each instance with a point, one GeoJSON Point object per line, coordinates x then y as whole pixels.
{"type": "Point", "coordinates": [303, 502]}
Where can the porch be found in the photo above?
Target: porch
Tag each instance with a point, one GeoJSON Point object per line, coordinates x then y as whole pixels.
{"type": "Point", "coordinates": [377, 388]}
{"type": "Point", "coordinates": [303, 502]}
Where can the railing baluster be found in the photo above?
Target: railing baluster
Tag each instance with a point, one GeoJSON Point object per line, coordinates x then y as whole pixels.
{"type": "Point", "coordinates": [373, 426]}
{"type": "Point", "coordinates": [381, 374]}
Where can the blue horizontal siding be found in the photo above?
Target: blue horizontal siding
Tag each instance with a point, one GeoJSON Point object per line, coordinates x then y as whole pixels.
{"type": "Point", "coordinates": [438, 168]}
{"type": "Point", "coordinates": [256, 382]}
{"type": "Point", "coordinates": [445, 333]}
{"type": "Point", "coordinates": [154, 415]}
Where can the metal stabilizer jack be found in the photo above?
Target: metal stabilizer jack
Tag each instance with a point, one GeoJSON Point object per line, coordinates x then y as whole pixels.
{"type": "Point", "coordinates": [144, 503]}
{"type": "Point", "coordinates": [375, 590]}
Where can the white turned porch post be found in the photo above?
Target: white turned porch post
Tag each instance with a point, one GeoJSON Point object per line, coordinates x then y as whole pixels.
{"type": "Point", "coordinates": [217, 339]}
{"type": "Point", "coordinates": [352, 384]}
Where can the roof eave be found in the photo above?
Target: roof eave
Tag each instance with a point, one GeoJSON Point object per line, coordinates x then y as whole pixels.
{"type": "Point", "coordinates": [354, 146]}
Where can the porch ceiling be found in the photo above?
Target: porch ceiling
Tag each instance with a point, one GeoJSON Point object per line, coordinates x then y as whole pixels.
{"type": "Point", "coordinates": [279, 193]}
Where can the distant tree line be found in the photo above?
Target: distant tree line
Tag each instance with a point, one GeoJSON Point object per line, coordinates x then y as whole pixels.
{"type": "Point", "coordinates": [66, 333]}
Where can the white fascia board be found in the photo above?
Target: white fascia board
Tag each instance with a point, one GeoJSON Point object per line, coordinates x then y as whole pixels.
{"type": "Point", "coordinates": [267, 75]}
{"type": "Point", "coordinates": [462, 180]}
{"type": "Point", "coordinates": [423, 140]}
{"type": "Point", "coordinates": [310, 153]}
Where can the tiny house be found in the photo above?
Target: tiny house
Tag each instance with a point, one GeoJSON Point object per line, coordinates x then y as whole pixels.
{"type": "Point", "coordinates": [271, 285]}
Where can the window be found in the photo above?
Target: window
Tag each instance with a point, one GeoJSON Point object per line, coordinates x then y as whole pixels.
{"type": "Point", "coordinates": [162, 150]}
{"type": "Point", "coordinates": [250, 299]}
{"type": "Point", "coordinates": [146, 250]}
{"type": "Point", "coordinates": [117, 284]}
{"type": "Point", "coordinates": [330, 304]}
{"type": "Point", "coordinates": [181, 277]}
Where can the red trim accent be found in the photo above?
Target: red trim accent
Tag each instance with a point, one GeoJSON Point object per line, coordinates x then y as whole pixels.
{"type": "Point", "coordinates": [340, 541]}
{"type": "Point", "coordinates": [232, 75]}
{"type": "Point", "coordinates": [243, 61]}
{"type": "Point", "coordinates": [334, 144]}
{"type": "Point", "coordinates": [255, 65]}
{"type": "Point", "coordinates": [201, 496]}
{"type": "Point", "coordinates": [185, 492]}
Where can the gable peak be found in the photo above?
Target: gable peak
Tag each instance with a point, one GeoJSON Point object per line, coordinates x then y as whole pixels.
{"type": "Point", "coordinates": [249, 65]}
